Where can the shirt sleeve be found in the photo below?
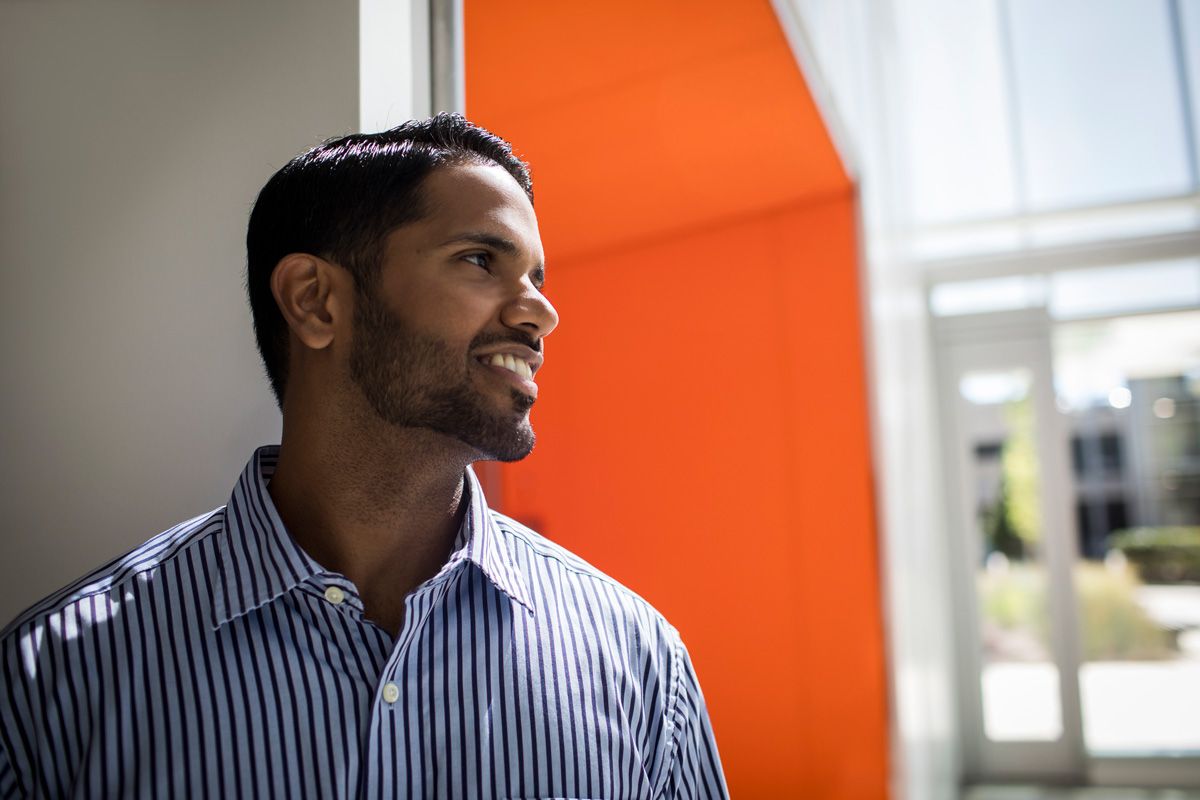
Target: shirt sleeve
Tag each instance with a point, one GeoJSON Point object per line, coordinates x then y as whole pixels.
{"type": "Point", "coordinates": [9, 788]}
{"type": "Point", "coordinates": [695, 770]}
{"type": "Point", "coordinates": [14, 694]}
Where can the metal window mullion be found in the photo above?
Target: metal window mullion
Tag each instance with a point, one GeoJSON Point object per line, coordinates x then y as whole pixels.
{"type": "Point", "coordinates": [447, 54]}
{"type": "Point", "coordinates": [1008, 60]}
{"type": "Point", "coordinates": [1185, 90]}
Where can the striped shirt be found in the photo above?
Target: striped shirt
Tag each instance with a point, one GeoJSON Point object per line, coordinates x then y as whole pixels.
{"type": "Point", "coordinates": [220, 660]}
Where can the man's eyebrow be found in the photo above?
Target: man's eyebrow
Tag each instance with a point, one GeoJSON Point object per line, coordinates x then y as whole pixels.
{"type": "Point", "coordinates": [506, 246]}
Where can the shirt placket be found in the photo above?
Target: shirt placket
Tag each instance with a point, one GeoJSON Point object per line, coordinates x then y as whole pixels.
{"type": "Point", "coordinates": [338, 594]}
{"type": "Point", "coordinates": [394, 763]}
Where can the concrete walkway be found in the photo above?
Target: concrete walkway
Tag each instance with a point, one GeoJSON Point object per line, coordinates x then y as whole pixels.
{"type": "Point", "coordinates": [1128, 706]}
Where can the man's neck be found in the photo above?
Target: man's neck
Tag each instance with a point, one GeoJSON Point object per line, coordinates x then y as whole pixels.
{"type": "Point", "coordinates": [382, 510]}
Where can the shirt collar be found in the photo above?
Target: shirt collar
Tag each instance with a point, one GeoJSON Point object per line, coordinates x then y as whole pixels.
{"type": "Point", "coordinates": [259, 561]}
{"type": "Point", "coordinates": [481, 542]}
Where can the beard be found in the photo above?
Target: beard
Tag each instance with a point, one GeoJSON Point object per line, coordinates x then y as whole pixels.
{"type": "Point", "coordinates": [413, 380]}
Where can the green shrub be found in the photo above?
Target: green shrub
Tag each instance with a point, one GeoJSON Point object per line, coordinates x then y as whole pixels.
{"type": "Point", "coordinates": [1114, 626]}
{"type": "Point", "coordinates": [1015, 599]}
{"type": "Point", "coordinates": [1163, 554]}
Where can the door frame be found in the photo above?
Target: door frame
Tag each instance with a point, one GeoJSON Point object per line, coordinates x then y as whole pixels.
{"type": "Point", "coordinates": [1030, 330]}
{"type": "Point", "coordinates": [1020, 339]}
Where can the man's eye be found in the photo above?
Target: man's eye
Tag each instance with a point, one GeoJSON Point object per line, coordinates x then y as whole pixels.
{"type": "Point", "coordinates": [479, 259]}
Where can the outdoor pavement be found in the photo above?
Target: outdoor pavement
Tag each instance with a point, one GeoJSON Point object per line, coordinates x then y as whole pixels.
{"type": "Point", "coordinates": [1129, 707]}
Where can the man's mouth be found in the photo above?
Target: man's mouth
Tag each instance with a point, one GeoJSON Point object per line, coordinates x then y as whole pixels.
{"type": "Point", "coordinates": [513, 364]}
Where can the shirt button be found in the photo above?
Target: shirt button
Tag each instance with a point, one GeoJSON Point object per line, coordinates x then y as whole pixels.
{"type": "Point", "coordinates": [335, 595]}
{"type": "Point", "coordinates": [391, 693]}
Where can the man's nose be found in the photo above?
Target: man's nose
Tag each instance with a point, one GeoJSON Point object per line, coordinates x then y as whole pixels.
{"type": "Point", "coordinates": [532, 312]}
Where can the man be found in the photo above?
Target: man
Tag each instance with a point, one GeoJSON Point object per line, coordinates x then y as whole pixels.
{"type": "Point", "coordinates": [356, 622]}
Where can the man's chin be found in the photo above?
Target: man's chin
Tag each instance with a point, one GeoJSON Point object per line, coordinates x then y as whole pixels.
{"type": "Point", "coordinates": [510, 448]}
{"type": "Point", "coordinates": [497, 436]}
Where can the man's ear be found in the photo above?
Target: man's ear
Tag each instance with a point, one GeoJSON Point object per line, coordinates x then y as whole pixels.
{"type": "Point", "coordinates": [308, 291]}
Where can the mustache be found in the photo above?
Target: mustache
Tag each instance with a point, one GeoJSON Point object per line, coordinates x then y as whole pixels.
{"type": "Point", "coordinates": [511, 337]}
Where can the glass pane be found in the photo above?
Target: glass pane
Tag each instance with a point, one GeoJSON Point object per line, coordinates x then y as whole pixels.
{"type": "Point", "coordinates": [1098, 100]}
{"type": "Point", "coordinates": [1129, 288]}
{"type": "Point", "coordinates": [986, 295]}
{"type": "Point", "coordinates": [953, 111]}
{"type": "Point", "coordinates": [1131, 389]}
{"type": "Point", "coordinates": [1019, 680]}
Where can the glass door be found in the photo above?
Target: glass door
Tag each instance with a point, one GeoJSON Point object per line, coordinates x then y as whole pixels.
{"type": "Point", "coordinates": [1073, 469]}
{"type": "Point", "coordinates": [1012, 545]}
{"type": "Point", "coordinates": [1128, 389]}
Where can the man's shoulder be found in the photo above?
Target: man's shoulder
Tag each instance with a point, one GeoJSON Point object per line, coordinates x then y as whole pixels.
{"type": "Point", "coordinates": [572, 575]}
{"type": "Point", "coordinates": [93, 599]}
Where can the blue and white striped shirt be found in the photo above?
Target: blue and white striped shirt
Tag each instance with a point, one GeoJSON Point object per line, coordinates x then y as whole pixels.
{"type": "Point", "coordinates": [220, 660]}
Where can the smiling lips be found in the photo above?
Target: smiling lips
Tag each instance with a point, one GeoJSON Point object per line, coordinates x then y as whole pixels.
{"type": "Point", "coordinates": [516, 365]}
{"type": "Point", "coordinates": [512, 363]}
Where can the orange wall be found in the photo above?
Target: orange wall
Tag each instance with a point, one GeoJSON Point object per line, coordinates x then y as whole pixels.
{"type": "Point", "coordinates": [703, 420]}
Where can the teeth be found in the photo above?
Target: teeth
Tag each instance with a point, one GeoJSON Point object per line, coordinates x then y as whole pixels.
{"type": "Point", "coordinates": [510, 363]}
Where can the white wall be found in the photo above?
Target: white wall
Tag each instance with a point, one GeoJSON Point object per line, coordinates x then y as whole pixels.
{"type": "Point", "coordinates": [133, 139]}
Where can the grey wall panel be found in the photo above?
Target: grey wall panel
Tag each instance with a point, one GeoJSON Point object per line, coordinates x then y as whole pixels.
{"type": "Point", "coordinates": [133, 139]}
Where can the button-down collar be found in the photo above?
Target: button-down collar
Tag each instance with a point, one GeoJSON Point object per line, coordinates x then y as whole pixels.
{"type": "Point", "coordinates": [259, 560]}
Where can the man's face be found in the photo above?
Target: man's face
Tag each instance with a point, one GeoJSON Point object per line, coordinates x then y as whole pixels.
{"type": "Point", "coordinates": [451, 335]}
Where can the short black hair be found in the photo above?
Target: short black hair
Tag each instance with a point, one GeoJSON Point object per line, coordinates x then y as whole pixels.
{"type": "Point", "coordinates": [342, 198]}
